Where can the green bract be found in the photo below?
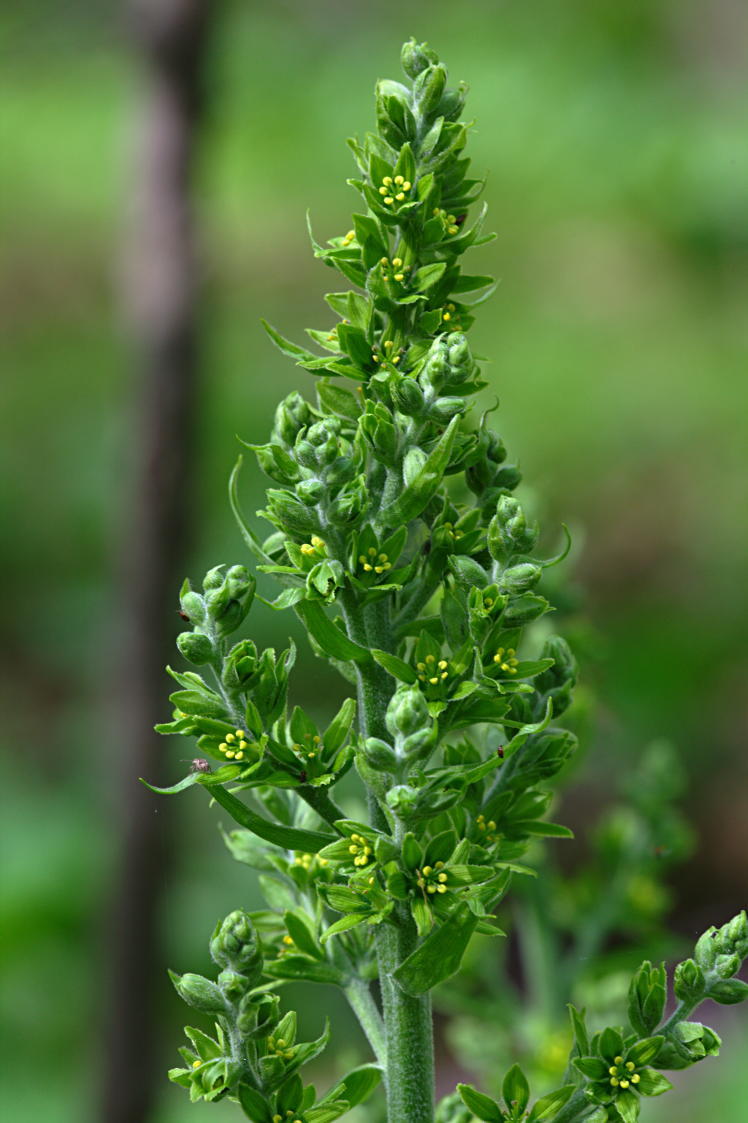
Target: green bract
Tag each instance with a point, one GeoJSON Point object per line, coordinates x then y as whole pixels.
{"type": "Point", "coordinates": [398, 542]}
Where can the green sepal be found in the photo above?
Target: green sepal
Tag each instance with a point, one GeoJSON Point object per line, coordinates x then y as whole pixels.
{"type": "Point", "coordinates": [546, 1107]}
{"type": "Point", "coordinates": [482, 1106]}
{"type": "Point", "coordinates": [515, 1090]}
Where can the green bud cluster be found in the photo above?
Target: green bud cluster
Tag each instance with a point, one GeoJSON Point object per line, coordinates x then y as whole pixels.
{"type": "Point", "coordinates": [416, 572]}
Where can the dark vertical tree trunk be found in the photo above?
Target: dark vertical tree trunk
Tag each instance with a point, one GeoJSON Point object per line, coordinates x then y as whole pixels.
{"type": "Point", "coordinates": [160, 282]}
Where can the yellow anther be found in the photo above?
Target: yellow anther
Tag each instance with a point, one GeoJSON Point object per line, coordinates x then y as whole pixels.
{"type": "Point", "coordinates": [362, 558]}
{"type": "Point", "coordinates": [406, 185]}
{"type": "Point", "coordinates": [446, 316]}
{"type": "Point", "coordinates": [441, 889]}
{"type": "Point", "coordinates": [371, 881]}
{"type": "Point", "coordinates": [317, 542]}
{"type": "Point", "coordinates": [452, 229]}
{"type": "Point", "coordinates": [400, 196]}
{"type": "Point", "coordinates": [396, 359]}
{"type": "Point", "coordinates": [280, 1043]}
{"type": "Point", "coordinates": [398, 179]}
{"type": "Point", "coordinates": [430, 659]}
{"type": "Point", "coordinates": [277, 1119]}
{"type": "Point", "coordinates": [618, 1060]}
{"type": "Point", "coordinates": [383, 261]}
{"type": "Point", "coordinates": [388, 199]}
{"type": "Point", "coordinates": [439, 865]}
{"type": "Point", "coordinates": [196, 1064]}
{"type": "Point", "coordinates": [434, 680]}
{"type": "Point", "coordinates": [613, 1070]}
{"type": "Point", "coordinates": [230, 754]}
{"type": "Point", "coordinates": [368, 568]}
{"type": "Point", "coordinates": [383, 557]}
{"type": "Point", "coordinates": [480, 818]}
{"type": "Point", "coordinates": [307, 548]}
{"type": "Point", "coordinates": [387, 179]}
{"type": "Point", "coordinates": [614, 1081]}
{"type": "Point", "coordinates": [240, 755]}
{"type": "Point", "coordinates": [442, 877]}
{"type": "Point", "coordinates": [421, 883]}
{"type": "Point", "coordinates": [630, 1066]}
{"type": "Point", "coordinates": [241, 734]}
{"type": "Point", "coordinates": [379, 569]}
{"type": "Point", "coordinates": [397, 262]}
{"type": "Point", "coordinates": [442, 664]}
{"type": "Point", "coordinates": [491, 825]}
{"type": "Point", "coordinates": [287, 941]}
{"type": "Point", "coordinates": [353, 849]}
{"type": "Point", "coordinates": [431, 889]}
{"type": "Point", "coordinates": [382, 190]}
{"type": "Point", "coordinates": [222, 747]}
{"type": "Point", "coordinates": [388, 345]}
{"type": "Point", "coordinates": [420, 666]}
{"type": "Point", "coordinates": [399, 276]}
{"type": "Point", "coordinates": [372, 552]}
{"type": "Point", "coordinates": [635, 1078]}
{"type": "Point", "coordinates": [230, 737]}
{"type": "Point", "coordinates": [427, 870]}
{"type": "Point", "coordinates": [444, 674]}
{"type": "Point", "coordinates": [625, 1083]}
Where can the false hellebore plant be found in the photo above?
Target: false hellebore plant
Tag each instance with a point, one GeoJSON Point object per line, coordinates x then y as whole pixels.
{"type": "Point", "coordinates": [399, 544]}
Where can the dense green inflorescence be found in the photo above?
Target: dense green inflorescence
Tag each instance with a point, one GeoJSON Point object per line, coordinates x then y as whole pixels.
{"type": "Point", "coordinates": [398, 542]}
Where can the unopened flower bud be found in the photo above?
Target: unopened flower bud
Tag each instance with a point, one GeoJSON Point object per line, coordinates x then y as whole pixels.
{"type": "Point", "coordinates": [233, 985]}
{"type": "Point", "coordinates": [200, 993]}
{"type": "Point", "coordinates": [196, 647]}
{"type": "Point", "coordinates": [509, 532]}
{"type": "Point", "coordinates": [520, 578]}
{"type": "Point", "coordinates": [416, 57]}
{"type": "Point", "coordinates": [429, 87]}
{"type": "Point", "coordinates": [407, 397]}
{"type": "Point", "coordinates": [379, 754]}
{"type": "Point", "coordinates": [688, 982]}
{"type": "Point", "coordinates": [403, 800]}
{"type": "Point", "coordinates": [444, 409]}
{"type": "Point", "coordinates": [310, 492]}
{"type": "Point", "coordinates": [234, 945]}
{"type": "Point", "coordinates": [292, 415]}
{"type": "Point", "coordinates": [407, 711]}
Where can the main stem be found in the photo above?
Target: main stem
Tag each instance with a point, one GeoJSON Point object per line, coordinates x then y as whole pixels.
{"type": "Point", "coordinates": [408, 1021]}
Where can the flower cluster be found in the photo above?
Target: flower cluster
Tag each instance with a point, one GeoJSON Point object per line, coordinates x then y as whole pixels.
{"type": "Point", "coordinates": [397, 540]}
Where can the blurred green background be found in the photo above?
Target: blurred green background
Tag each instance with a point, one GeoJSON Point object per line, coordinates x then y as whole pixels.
{"type": "Point", "coordinates": [614, 137]}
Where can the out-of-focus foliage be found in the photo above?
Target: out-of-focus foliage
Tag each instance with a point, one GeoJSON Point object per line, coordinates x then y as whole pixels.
{"type": "Point", "coordinates": [617, 138]}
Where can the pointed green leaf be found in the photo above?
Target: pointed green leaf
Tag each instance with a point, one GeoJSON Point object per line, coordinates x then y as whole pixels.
{"type": "Point", "coordinates": [398, 668]}
{"type": "Point", "coordinates": [290, 838]}
{"type": "Point", "coordinates": [329, 637]}
{"type": "Point", "coordinates": [440, 954]}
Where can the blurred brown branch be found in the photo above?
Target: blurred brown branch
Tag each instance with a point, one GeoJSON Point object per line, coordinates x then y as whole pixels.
{"type": "Point", "coordinates": [159, 290]}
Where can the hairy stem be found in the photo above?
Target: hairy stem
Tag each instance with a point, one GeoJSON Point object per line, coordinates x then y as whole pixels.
{"type": "Point", "coordinates": [361, 1001]}
{"type": "Point", "coordinates": [408, 1021]}
{"type": "Point", "coordinates": [321, 802]}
